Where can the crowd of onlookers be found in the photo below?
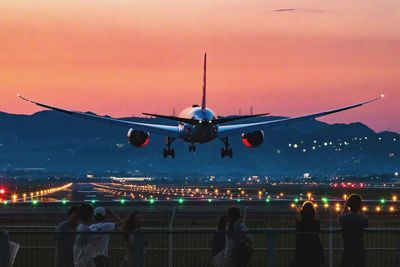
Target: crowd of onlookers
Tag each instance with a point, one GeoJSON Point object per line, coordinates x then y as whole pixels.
{"type": "Point", "coordinates": [231, 245]}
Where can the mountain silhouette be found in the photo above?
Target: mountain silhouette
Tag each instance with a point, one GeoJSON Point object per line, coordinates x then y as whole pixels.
{"type": "Point", "coordinates": [62, 143]}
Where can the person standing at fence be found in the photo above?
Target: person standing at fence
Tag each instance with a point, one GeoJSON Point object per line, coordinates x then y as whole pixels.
{"type": "Point", "coordinates": [238, 244]}
{"type": "Point", "coordinates": [218, 241]}
{"type": "Point", "coordinates": [353, 224]}
{"type": "Point", "coordinates": [100, 241]}
{"type": "Point", "coordinates": [83, 246]}
{"type": "Point", "coordinates": [65, 238]}
{"type": "Point", "coordinates": [132, 223]}
{"type": "Point", "coordinates": [309, 252]}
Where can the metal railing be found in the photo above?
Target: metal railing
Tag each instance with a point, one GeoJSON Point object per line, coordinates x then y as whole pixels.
{"type": "Point", "coordinates": [191, 247]}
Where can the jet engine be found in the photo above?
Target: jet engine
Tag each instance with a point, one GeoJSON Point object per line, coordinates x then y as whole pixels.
{"type": "Point", "coordinates": [138, 138]}
{"type": "Point", "coordinates": [253, 139]}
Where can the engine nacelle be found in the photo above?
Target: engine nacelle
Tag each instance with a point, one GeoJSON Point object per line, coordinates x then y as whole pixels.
{"type": "Point", "coordinates": [138, 138]}
{"type": "Point", "coordinates": [253, 139]}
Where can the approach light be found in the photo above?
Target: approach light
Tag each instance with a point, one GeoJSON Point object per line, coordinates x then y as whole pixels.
{"type": "Point", "coordinates": [364, 208]}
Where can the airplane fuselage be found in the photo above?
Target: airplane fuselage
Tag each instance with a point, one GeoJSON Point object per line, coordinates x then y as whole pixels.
{"type": "Point", "coordinates": [203, 131]}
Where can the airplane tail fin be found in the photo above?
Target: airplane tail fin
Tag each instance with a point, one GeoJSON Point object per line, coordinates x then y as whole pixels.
{"type": "Point", "coordinates": [203, 102]}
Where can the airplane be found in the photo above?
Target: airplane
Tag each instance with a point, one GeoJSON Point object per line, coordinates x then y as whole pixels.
{"type": "Point", "coordinates": [199, 125]}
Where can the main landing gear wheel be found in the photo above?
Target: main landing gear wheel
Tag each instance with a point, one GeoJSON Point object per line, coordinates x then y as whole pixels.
{"type": "Point", "coordinates": [227, 151]}
{"type": "Point", "coordinates": [169, 152]}
{"type": "Point", "coordinates": [192, 148]}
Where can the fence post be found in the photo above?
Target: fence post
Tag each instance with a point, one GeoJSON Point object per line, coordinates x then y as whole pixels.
{"type": "Point", "coordinates": [171, 240]}
{"type": "Point", "coordinates": [138, 249]}
{"type": "Point", "coordinates": [271, 248]}
{"type": "Point", "coordinates": [330, 235]}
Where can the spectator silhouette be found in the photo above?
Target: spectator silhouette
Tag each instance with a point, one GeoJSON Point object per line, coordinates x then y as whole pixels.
{"type": "Point", "coordinates": [100, 241]}
{"type": "Point", "coordinates": [132, 223]}
{"type": "Point", "coordinates": [83, 246]}
{"type": "Point", "coordinates": [65, 238]}
{"type": "Point", "coordinates": [238, 244]}
{"type": "Point", "coordinates": [218, 241]}
{"type": "Point", "coordinates": [309, 252]}
{"type": "Point", "coordinates": [353, 224]}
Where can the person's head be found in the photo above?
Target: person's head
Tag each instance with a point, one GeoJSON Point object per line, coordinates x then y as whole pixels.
{"type": "Point", "coordinates": [307, 212]}
{"type": "Point", "coordinates": [99, 214]}
{"type": "Point", "coordinates": [354, 203]}
{"type": "Point", "coordinates": [85, 213]}
{"type": "Point", "coordinates": [233, 215]}
{"type": "Point", "coordinates": [223, 220]}
{"type": "Point", "coordinates": [73, 214]}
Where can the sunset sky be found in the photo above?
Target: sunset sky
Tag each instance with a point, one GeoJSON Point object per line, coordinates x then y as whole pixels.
{"type": "Point", "coordinates": [126, 57]}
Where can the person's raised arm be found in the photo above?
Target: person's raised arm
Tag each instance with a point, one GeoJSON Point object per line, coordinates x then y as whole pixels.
{"type": "Point", "coordinates": [115, 218]}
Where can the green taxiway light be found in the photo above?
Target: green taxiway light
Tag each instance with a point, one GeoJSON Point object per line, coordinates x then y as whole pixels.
{"type": "Point", "coordinates": [93, 201]}
{"type": "Point", "coordinates": [151, 200]}
{"type": "Point", "coordinates": [35, 202]}
{"type": "Point", "coordinates": [5, 202]}
{"type": "Point", "coordinates": [382, 201]}
{"type": "Point", "coordinates": [64, 201]}
{"type": "Point", "coordinates": [209, 200]}
{"type": "Point", "coordinates": [181, 200]}
{"type": "Point", "coordinates": [267, 200]}
{"type": "Point", "coordinates": [122, 201]}
{"type": "Point", "coordinates": [238, 200]}
{"type": "Point", "coordinates": [325, 200]}
{"type": "Point", "coordinates": [296, 200]}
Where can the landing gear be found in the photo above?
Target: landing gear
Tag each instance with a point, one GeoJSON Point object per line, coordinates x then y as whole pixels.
{"type": "Point", "coordinates": [192, 148]}
{"type": "Point", "coordinates": [169, 152]}
{"type": "Point", "coordinates": [227, 151]}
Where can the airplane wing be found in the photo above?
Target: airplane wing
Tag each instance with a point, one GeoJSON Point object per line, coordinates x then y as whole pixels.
{"type": "Point", "coordinates": [167, 130]}
{"type": "Point", "coordinates": [227, 130]}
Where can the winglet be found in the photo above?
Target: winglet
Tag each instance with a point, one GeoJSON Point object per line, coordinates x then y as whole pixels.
{"type": "Point", "coordinates": [23, 98]}
{"type": "Point", "coordinates": [203, 102]}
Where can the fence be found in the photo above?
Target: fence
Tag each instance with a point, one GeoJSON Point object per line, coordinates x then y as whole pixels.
{"type": "Point", "coordinates": [191, 247]}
